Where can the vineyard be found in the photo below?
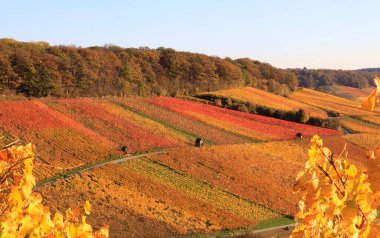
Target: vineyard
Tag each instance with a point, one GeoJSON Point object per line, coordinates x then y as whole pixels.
{"type": "Point", "coordinates": [134, 204]}
{"type": "Point", "coordinates": [329, 102]}
{"type": "Point", "coordinates": [218, 165]}
{"type": "Point", "coordinates": [202, 191]}
{"type": "Point", "coordinates": [245, 124]}
{"type": "Point", "coordinates": [242, 177]}
{"type": "Point", "coordinates": [354, 94]}
{"type": "Point", "coordinates": [271, 100]}
{"type": "Point", "coordinates": [360, 125]}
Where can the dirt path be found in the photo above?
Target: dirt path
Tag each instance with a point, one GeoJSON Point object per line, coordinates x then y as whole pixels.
{"type": "Point", "coordinates": [71, 172]}
{"type": "Point", "coordinates": [275, 232]}
{"type": "Point", "coordinates": [121, 160]}
{"type": "Point", "coordinates": [278, 232]}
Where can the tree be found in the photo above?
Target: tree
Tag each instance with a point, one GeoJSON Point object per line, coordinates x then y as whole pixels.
{"type": "Point", "coordinates": [229, 102]}
{"type": "Point", "coordinates": [218, 102]}
{"type": "Point", "coordinates": [302, 116]}
{"type": "Point", "coordinates": [242, 108]}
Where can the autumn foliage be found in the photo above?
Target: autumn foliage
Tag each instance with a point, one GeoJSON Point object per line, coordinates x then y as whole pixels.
{"type": "Point", "coordinates": [240, 123]}
{"type": "Point", "coordinates": [22, 213]}
{"type": "Point", "coordinates": [267, 99]}
{"type": "Point", "coordinates": [339, 199]}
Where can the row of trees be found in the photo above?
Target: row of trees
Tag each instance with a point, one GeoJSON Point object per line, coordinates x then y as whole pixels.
{"type": "Point", "coordinates": [38, 69]}
{"type": "Point", "coordinates": [300, 116]}
{"type": "Point", "coordinates": [318, 78]}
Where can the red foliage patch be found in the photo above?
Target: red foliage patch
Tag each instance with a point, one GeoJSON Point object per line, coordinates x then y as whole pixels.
{"type": "Point", "coordinates": [274, 128]}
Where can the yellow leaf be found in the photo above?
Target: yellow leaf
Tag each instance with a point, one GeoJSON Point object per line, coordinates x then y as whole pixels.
{"type": "Point", "coordinates": [87, 207]}
{"type": "Point", "coordinates": [352, 171]}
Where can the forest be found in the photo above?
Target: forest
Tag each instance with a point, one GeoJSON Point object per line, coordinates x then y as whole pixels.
{"type": "Point", "coordinates": [38, 69]}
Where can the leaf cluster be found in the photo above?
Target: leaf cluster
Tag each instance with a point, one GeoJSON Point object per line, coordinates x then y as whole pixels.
{"type": "Point", "coordinates": [338, 198]}
{"type": "Point", "coordinates": [22, 213]}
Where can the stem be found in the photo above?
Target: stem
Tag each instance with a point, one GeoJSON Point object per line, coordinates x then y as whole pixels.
{"type": "Point", "coordinates": [332, 180]}
{"type": "Point", "coordinates": [331, 161]}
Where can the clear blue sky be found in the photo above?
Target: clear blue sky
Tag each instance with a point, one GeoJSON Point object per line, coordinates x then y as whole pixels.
{"type": "Point", "coordinates": [317, 34]}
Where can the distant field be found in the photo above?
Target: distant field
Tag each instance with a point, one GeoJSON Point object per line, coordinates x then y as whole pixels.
{"type": "Point", "coordinates": [357, 125]}
{"type": "Point", "coordinates": [264, 98]}
{"type": "Point", "coordinates": [183, 124]}
{"type": "Point", "coordinates": [329, 102]}
{"type": "Point", "coordinates": [351, 93]}
{"type": "Point", "coordinates": [368, 141]}
{"type": "Point", "coordinates": [372, 119]}
{"type": "Point", "coordinates": [244, 124]}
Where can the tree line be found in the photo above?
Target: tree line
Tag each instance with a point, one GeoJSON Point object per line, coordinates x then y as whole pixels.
{"type": "Point", "coordinates": [300, 116]}
{"type": "Point", "coordinates": [319, 78]}
{"type": "Point", "coordinates": [38, 69]}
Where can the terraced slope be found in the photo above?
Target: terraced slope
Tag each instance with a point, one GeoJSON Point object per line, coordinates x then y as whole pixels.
{"type": "Point", "coordinates": [135, 202]}
{"type": "Point", "coordinates": [354, 94]}
{"type": "Point", "coordinates": [263, 173]}
{"type": "Point", "coordinates": [244, 124]}
{"type": "Point", "coordinates": [329, 102]}
{"type": "Point", "coordinates": [271, 100]}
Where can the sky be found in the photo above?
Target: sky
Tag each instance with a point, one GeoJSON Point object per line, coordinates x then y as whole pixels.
{"type": "Point", "coordinates": [335, 34]}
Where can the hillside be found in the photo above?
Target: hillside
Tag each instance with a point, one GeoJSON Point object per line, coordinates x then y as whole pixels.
{"type": "Point", "coordinates": [329, 102]}
{"type": "Point", "coordinates": [39, 69]}
{"type": "Point", "coordinates": [262, 98]}
{"type": "Point", "coordinates": [166, 186]}
{"type": "Point", "coordinates": [75, 134]}
{"type": "Point", "coordinates": [351, 93]}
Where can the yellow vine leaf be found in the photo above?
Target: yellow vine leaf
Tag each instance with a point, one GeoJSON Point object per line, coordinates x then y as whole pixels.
{"type": "Point", "coordinates": [338, 199]}
{"type": "Point", "coordinates": [87, 207]}
{"type": "Point", "coordinates": [23, 214]}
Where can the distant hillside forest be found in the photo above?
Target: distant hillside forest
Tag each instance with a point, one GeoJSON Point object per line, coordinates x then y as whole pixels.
{"type": "Point", "coordinates": [320, 78]}
{"type": "Point", "coordinates": [38, 69]}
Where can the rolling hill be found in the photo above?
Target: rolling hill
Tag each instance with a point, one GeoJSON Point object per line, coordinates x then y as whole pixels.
{"type": "Point", "coordinates": [241, 178]}
{"type": "Point", "coordinates": [267, 99]}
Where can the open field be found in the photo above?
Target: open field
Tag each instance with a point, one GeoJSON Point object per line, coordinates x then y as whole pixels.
{"type": "Point", "coordinates": [267, 99]}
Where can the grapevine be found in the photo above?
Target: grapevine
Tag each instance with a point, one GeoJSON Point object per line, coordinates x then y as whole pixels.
{"type": "Point", "coordinates": [22, 213]}
{"type": "Point", "coordinates": [338, 198]}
